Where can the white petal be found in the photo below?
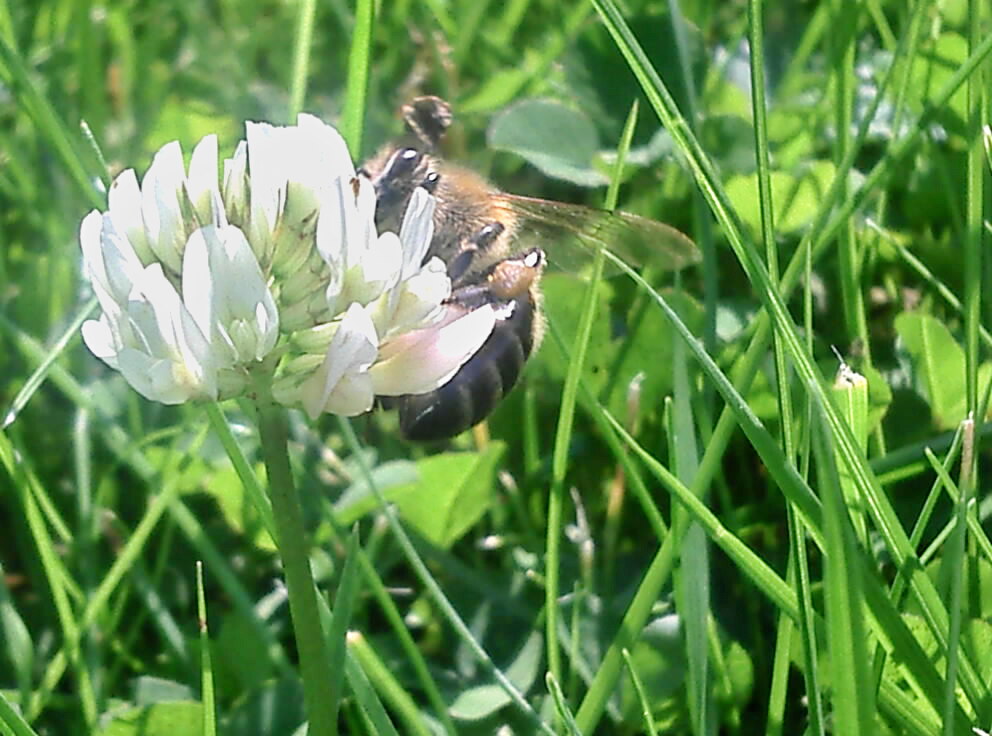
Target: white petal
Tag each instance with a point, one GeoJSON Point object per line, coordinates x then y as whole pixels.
{"type": "Point", "coordinates": [362, 265]}
{"type": "Point", "coordinates": [109, 262]}
{"type": "Point", "coordinates": [99, 338]}
{"type": "Point", "coordinates": [338, 384]}
{"type": "Point", "coordinates": [124, 207]}
{"type": "Point", "coordinates": [267, 177]}
{"type": "Point", "coordinates": [236, 184]}
{"type": "Point", "coordinates": [417, 230]}
{"type": "Point", "coordinates": [201, 184]}
{"type": "Point", "coordinates": [323, 152]}
{"type": "Point", "coordinates": [423, 360]}
{"type": "Point", "coordinates": [198, 280]}
{"type": "Point", "coordinates": [414, 302]}
{"type": "Point", "coordinates": [167, 331]}
{"type": "Point", "coordinates": [303, 159]}
{"type": "Point", "coordinates": [352, 396]}
{"type": "Point", "coordinates": [160, 190]}
{"type": "Point", "coordinates": [158, 379]}
{"type": "Point", "coordinates": [345, 229]}
{"type": "Point", "coordinates": [227, 294]}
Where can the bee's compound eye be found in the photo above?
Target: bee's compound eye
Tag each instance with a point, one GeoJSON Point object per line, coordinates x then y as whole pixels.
{"type": "Point", "coordinates": [431, 182]}
{"type": "Point", "coordinates": [488, 234]}
{"type": "Point", "coordinates": [404, 162]}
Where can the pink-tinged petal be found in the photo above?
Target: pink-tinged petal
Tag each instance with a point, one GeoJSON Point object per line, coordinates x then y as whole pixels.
{"type": "Point", "coordinates": [423, 360]}
{"type": "Point", "coordinates": [351, 352]}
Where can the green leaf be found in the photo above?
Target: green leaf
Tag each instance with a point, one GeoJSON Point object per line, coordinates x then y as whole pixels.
{"type": "Point", "coordinates": [357, 499]}
{"type": "Point", "coordinates": [976, 639]}
{"type": "Point", "coordinates": [559, 141]}
{"type": "Point", "coordinates": [659, 659]}
{"type": "Point", "coordinates": [274, 708]}
{"type": "Point", "coordinates": [479, 702]}
{"type": "Point", "coordinates": [237, 508]}
{"type": "Point", "coordinates": [149, 690]}
{"type": "Point", "coordinates": [450, 494]}
{"type": "Point", "coordinates": [929, 72]}
{"type": "Point", "coordinates": [563, 305]}
{"type": "Point", "coordinates": [796, 197]}
{"type": "Point", "coordinates": [939, 364]}
{"type": "Point", "coordinates": [241, 661]}
{"type": "Point", "coordinates": [647, 351]}
{"type": "Point", "coordinates": [523, 670]}
{"type": "Point", "coordinates": [161, 719]}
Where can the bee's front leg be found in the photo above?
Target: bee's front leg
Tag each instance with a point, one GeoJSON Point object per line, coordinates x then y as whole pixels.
{"type": "Point", "coordinates": [478, 242]}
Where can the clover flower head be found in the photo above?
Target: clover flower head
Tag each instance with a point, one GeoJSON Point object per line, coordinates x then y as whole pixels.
{"type": "Point", "coordinates": [270, 267]}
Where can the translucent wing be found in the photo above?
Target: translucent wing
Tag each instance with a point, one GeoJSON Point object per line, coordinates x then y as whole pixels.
{"type": "Point", "coordinates": [637, 240]}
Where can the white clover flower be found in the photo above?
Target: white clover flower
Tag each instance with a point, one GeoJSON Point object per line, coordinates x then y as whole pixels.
{"type": "Point", "coordinates": [273, 272]}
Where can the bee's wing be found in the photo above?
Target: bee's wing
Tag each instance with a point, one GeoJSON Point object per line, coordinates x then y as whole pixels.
{"type": "Point", "coordinates": [637, 240]}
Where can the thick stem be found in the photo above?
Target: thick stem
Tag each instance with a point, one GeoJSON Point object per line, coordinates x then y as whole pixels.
{"type": "Point", "coordinates": [293, 543]}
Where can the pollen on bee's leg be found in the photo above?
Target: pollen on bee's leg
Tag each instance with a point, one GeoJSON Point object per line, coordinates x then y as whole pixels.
{"type": "Point", "coordinates": [514, 276]}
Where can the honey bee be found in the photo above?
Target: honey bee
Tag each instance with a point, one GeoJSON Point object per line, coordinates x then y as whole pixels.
{"type": "Point", "coordinates": [483, 234]}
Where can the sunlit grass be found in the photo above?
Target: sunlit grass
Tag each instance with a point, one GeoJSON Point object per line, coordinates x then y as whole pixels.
{"type": "Point", "coordinates": [706, 548]}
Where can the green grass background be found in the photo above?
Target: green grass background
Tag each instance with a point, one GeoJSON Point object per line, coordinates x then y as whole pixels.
{"type": "Point", "coordinates": [672, 525]}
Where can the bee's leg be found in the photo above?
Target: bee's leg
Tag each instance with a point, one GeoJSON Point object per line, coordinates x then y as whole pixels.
{"type": "Point", "coordinates": [509, 288]}
{"type": "Point", "coordinates": [461, 263]}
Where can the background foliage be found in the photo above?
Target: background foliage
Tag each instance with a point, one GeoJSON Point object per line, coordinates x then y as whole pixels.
{"type": "Point", "coordinates": [808, 576]}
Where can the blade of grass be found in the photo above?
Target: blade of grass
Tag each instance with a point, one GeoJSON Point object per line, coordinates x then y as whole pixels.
{"type": "Point", "coordinates": [206, 665]}
{"type": "Point", "coordinates": [122, 446]}
{"type": "Point", "coordinates": [852, 691]}
{"type": "Point", "coordinates": [434, 590]}
{"type": "Point", "coordinates": [253, 489]}
{"type": "Point", "coordinates": [17, 643]}
{"type": "Point", "coordinates": [887, 621]}
{"type": "Point", "coordinates": [641, 696]}
{"type": "Point", "coordinates": [344, 604]}
{"type": "Point", "coordinates": [302, 44]}
{"type": "Point", "coordinates": [25, 483]}
{"type": "Point", "coordinates": [12, 719]}
{"type": "Point", "coordinates": [414, 655]}
{"type": "Point", "coordinates": [561, 705]}
{"type": "Point", "coordinates": [385, 683]}
{"type": "Point", "coordinates": [53, 129]}
{"type": "Point", "coordinates": [566, 416]}
{"type": "Point", "coordinates": [357, 86]}
{"type": "Point", "coordinates": [365, 695]}
{"type": "Point", "coordinates": [953, 567]}
{"type": "Point", "coordinates": [882, 513]}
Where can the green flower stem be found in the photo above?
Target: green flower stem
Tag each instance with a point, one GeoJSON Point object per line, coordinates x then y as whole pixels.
{"type": "Point", "coordinates": [292, 540]}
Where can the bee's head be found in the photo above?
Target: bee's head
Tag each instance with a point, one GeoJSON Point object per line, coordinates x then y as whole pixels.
{"type": "Point", "coordinates": [395, 173]}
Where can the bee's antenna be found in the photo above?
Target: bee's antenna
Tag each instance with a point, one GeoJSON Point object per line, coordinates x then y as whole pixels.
{"type": "Point", "coordinates": [427, 118]}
